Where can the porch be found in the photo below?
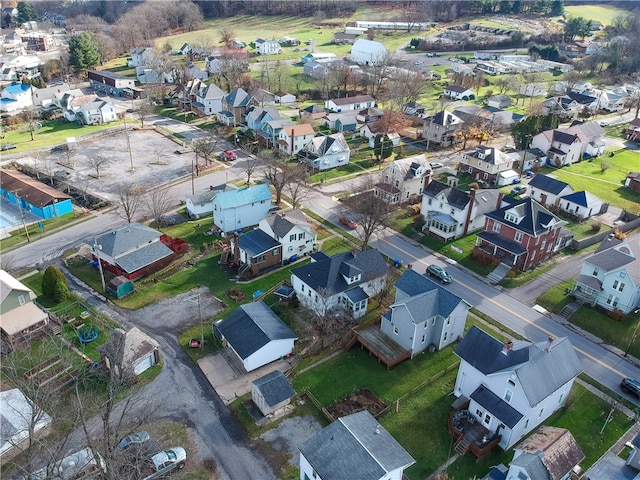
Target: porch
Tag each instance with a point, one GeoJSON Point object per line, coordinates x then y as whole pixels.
{"type": "Point", "coordinates": [469, 435]}
{"type": "Point", "coordinates": [493, 247]}
{"type": "Point", "coordinates": [379, 345]}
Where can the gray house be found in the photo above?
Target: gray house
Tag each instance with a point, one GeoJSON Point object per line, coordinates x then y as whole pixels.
{"type": "Point", "coordinates": [271, 392]}
{"type": "Point", "coordinates": [130, 353]}
{"type": "Point", "coordinates": [355, 447]}
{"type": "Point", "coordinates": [424, 315]}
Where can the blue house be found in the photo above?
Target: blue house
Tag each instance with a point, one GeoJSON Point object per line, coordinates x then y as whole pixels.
{"type": "Point", "coordinates": [237, 209]}
{"type": "Point", "coordinates": [33, 196]}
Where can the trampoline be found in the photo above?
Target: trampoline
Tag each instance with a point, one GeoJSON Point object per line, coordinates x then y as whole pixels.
{"type": "Point", "coordinates": [87, 334]}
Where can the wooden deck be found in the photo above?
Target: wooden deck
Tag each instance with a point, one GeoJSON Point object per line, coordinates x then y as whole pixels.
{"type": "Point", "coordinates": [382, 347]}
{"type": "Point", "coordinates": [470, 435]}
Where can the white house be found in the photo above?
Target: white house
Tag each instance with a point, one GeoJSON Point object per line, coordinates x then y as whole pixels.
{"type": "Point", "coordinates": [547, 190]}
{"type": "Point", "coordinates": [513, 387]}
{"type": "Point", "coordinates": [371, 130]}
{"type": "Point", "coordinates": [591, 135]}
{"type": "Point", "coordinates": [456, 92]}
{"type": "Point", "coordinates": [357, 102]}
{"type": "Point", "coordinates": [292, 230]}
{"type": "Point", "coordinates": [268, 47]}
{"type": "Point", "coordinates": [451, 213]}
{"type": "Point", "coordinates": [581, 204]}
{"type": "Point", "coordinates": [610, 277]}
{"type": "Point", "coordinates": [201, 204]}
{"type": "Point", "coordinates": [342, 281]}
{"type": "Point", "coordinates": [130, 353]}
{"type": "Point", "coordinates": [561, 147]}
{"type": "Point", "coordinates": [424, 315]}
{"type": "Point", "coordinates": [325, 152]}
{"type": "Point", "coordinates": [96, 112]}
{"type": "Point", "coordinates": [237, 209]}
{"type": "Point", "coordinates": [408, 175]}
{"type": "Point", "coordinates": [355, 446]}
{"type": "Point", "coordinates": [209, 99]}
{"type": "Point", "coordinates": [284, 97]}
{"type": "Point", "coordinates": [255, 335]}
{"type": "Point", "coordinates": [292, 138]}
{"type": "Point", "coordinates": [368, 52]}
{"type": "Point", "coordinates": [16, 97]}
{"type": "Point", "coordinates": [140, 56]}
{"type": "Point", "coordinates": [21, 417]}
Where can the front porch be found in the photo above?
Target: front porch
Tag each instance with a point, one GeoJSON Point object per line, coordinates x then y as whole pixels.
{"type": "Point", "coordinates": [496, 249]}
{"type": "Point", "coordinates": [469, 435]}
{"type": "Point", "coordinates": [379, 345]}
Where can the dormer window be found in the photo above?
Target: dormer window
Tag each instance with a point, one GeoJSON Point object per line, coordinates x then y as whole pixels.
{"type": "Point", "coordinates": [512, 217]}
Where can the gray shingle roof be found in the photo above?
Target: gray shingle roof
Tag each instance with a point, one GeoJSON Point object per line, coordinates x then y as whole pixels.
{"type": "Point", "coordinates": [256, 242]}
{"type": "Point", "coordinates": [125, 237]}
{"type": "Point", "coordinates": [252, 326]}
{"type": "Point", "coordinates": [613, 254]}
{"type": "Point", "coordinates": [533, 465]}
{"type": "Point", "coordinates": [455, 197]}
{"type": "Point", "coordinates": [423, 298]}
{"type": "Point", "coordinates": [282, 223]}
{"type": "Point", "coordinates": [355, 447]}
{"type": "Point", "coordinates": [496, 406]}
{"type": "Point", "coordinates": [353, 100]}
{"type": "Point", "coordinates": [535, 218]}
{"type": "Point", "coordinates": [275, 387]}
{"type": "Point", "coordinates": [143, 256]}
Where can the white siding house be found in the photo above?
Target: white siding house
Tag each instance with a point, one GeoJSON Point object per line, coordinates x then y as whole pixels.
{"type": "Point", "coordinates": [292, 230]}
{"type": "Point", "coordinates": [581, 204]}
{"type": "Point", "coordinates": [268, 47]}
{"type": "Point", "coordinates": [201, 204]}
{"type": "Point", "coordinates": [547, 191]}
{"type": "Point", "coordinates": [237, 209]}
{"type": "Point", "coordinates": [325, 152]}
{"type": "Point", "coordinates": [293, 138]}
{"type": "Point", "coordinates": [368, 52]}
{"type": "Point", "coordinates": [16, 97]}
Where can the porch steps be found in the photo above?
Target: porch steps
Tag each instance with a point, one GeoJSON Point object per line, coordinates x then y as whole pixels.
{"type": "Point", "coordinates": [498, 273]}
{"type": "Point", "coordinates": [462, 446]}
{"type": "Point", "coordinates": [224, 257]}
{"type": "Point", "coordinates": [569, 309]}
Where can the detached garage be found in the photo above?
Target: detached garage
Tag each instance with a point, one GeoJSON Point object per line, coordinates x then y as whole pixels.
{"type": "Point", "coordinates": [255, 335]}
{"type": "Point", "coordinates": [130, 353]}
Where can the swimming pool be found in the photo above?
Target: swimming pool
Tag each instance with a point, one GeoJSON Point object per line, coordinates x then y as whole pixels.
{"type": "Point", "coordinates": [7, 219]}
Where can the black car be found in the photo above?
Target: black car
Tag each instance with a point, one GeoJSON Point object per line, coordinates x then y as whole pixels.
{"type": "Point", "coordinates": [438, 272]}
{"type": "Point", "coordinates": [630, 386]}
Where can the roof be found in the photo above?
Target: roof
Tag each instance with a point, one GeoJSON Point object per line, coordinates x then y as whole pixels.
{"type": "Point", "coordinates": [491, 155]}
{"type": "Point", "coordinates": [256, 242]}
{"type": "Point", "coordinates": [613, 254]}
{"type": "Point", "coordinates": [299, 130]}
{"type": "Point", "coordinates": [244, 196]}
{"type": "Point", "coordinates": [282, 223]}
{"type": "Point", "coordinates": [16, 412]}
{"type": "Point", "coordinates": [143, 256]}
{"type": "Point", "coordinates": [534, 218]}
{"type": "Point", "coordinates": [320, 146]}
{"type": "Point", "coordinates": [540, 371]}
{"type": "Point", "coordinates": [444, 118]}
{"type": "Point", "coordinates": [252, 326]}
{"type": "Point", "coordinates": [14, 321]}
{"type": "Point", "coordinates": [564, 137]}
{"type": "Point", "coordinates": [456, 88]}
{"type": "Point", "coordinates": [18, 88]}
{"type": "Point", "coordinates": [554, 447]}
{"type": "Point", "coordinates": [496, 406]}
{"type": "Point", "coordinates": [423, 298]}
{"type": "Point", "coordinates": [275, 387]}
{"type": "Point", "coordinates": [238, 98]}
{"type": "Point", "coordinates": [582, 198]}
{"type": "Point", "coordinates": [126, 348]}
{"type": "Point", "coordinates": [314, 109]}
{"type": "Point", "coordinates": [455, 197]}
{"type": "Point", "coordinates": [125, 238]}
{"type": "Point", "coordinates": [111, 75]}
{"type": "Point", "coordinates": [355, 447]}
{"type": "Point", "coordinates": [328, 273]}
{"type": "Point", "coordinates": [351, 100]}
{"type": "Point", "coordinates": [547, 184]}
{"type": "Point", "coordinates": [507, 244]}
{"type": "Point", "coordinates": [8, 284]}
{"type": "Point", "coordinates": [207, 196]}
{"type": "Point", "coordinates": [29, 189]}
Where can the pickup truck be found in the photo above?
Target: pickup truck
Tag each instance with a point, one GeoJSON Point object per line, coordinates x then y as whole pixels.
{"type": "Point", "coordinates": [165, 462]}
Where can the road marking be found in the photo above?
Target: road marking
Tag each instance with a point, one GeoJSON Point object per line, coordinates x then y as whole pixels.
{"type": "Point", "coordinates": [533, 324]}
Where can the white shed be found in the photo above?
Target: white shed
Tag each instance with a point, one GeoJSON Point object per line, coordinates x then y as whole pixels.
{"type": "Point", "coordinates": [368, 52]}
{"type": "Point", "coordinates": [271, 392]}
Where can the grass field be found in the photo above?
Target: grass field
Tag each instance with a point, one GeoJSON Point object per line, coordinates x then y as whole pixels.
{"type": "Point", "coordinates": [602, 13]}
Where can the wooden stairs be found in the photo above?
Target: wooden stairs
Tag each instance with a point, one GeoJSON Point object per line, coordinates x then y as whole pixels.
{"type": "Point", "coordinates": [224, 257]}
{"type": "Point", "coordinates": [462, 446]}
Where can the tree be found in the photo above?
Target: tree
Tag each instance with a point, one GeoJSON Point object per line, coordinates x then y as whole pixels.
{"type": "Point", "coordinates": [129, 200]}
{"type": "Point", "coordinates": [250, 165]}
{"type": "Point", "coordinates": [369, 211]}
{"type": "Point", "coordinates": [145, 109]}
{"type": "Point", "coordinates": [297, 189]}
{"type": "Point", "coordinates": [524, 131]}
{"type": "Point", "coordinates": [278, 172]}
{"type": "Point", "coordinates": [157, 203]}
{"type": "Point", "coordinates": [26, 12]}
{"type": "Point", "coordinates": [557, 7]}
{"type": "Point", "coordinates": [227, 37]}
{"type": "Point", "coordinates": [51, 278]}
{"type": "Point", "coordinates": [382, 146]}
{"type": "Point", "coordinates": [577, 27]}
{"type": "Point", "coordinates": [97, 162]}
{"type": "Point", "coordinates": [31, 116]}
{"type": "Point", "coordinates": [83, 51]}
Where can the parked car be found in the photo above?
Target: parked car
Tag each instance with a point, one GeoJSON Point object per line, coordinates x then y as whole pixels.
{"type": "Point", "coordinates": [438, 272]}
{"type": "Point", "coordinates": [274, 209]}
{"type": "Point", "coordinates": [8, 146]}
{"type": "Point", "coordinates": [229, 155]}
{"type": "Point", "coordinates": [133, 439]}
{"type": "Point", "coordinates": [604, 123]}
{"type": "Point", "coordinates": [347, 222]}
{"type": "Point", "coordinates": [518, 190]}
{"type": "Point", "coordinates": [630, 386]}
{"type": "Point", "coordinates": [165, 462]}
{"type": "Point", "coordinates": [436, 165]}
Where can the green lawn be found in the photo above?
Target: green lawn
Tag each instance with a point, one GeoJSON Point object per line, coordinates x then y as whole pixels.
{"type": "Point", "coordinates": [459, 250]}
{"type": "Point", "coordinates": [608, 184]}
{"type": "Point", "coordinates": [602, 13]}
{"type": "Point", "coordinates": [35, 232]}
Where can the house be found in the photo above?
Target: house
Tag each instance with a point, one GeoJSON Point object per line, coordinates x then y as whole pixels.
{"type": "Point", "coordinates": [591, 135]}
{"type": "Point", "coordinates": [201, 204]}
{"type": "Point", "coordinates": [129, 353]}
{"type": "Point", "coordinates": [315, 69]}
{"type": "Point", "coordinates": [149, 75]}
{"type": "Point", "coordinates": [192, 70]}
{"type": "Point", "coordinates": [562, 106]}
{"type": "Point", "coordinates": [633, 181]}
{"type": "Point", "coordinates": [256, 117]}
{"type": "Point", "coordinates": [408, 176]}
{"type": "Point", "coordinates": [486, 164]}
{"type": "Point", "coordinates": [18, 96]}
{"type": "Point", "coordinates": [611, 102]}
{"type": "Point", "coordinates": [241, 208]}
{"type": "Point", "coordinates": [533, 90]}
{"type": "Point", "coordinates": [292, 138]}
{"type": "Point", "coordinates": [413, 108]}
{"type": "Point", "coordinates": [325, 152]}
{"type": "Point", "coordinates": [269, 134]}
{"type": "Point", "coordinates": [368, 52]}
{"type": "Point", "coordinates": [140, 56]}
{"type": "Point", "coordinates": [264, 97]}
{"type": "Point", "coordinates": [424, 315]}
{"type": "Point", "coordinates": [96, 112]}
{"type": "Point", "coordinates": [255, 252]}
{"type": "Point", "coordinates": [513, 387]}
{"type": "Point", "coordinates": [562, 147]}
{"type": "Point", "coordinates": [372, 130]}
{"type": "Point", "coordinates": [499, 101]}
{"type": "Point", "coordinates": [21, 320]}
{"type": "Point", "coordinates": [341, 122]}
{"type": "Point", "coordinates": [255, 335]}
{"type": "Point", "coordinates": [208, 99]}
{"type": "Point", "coordinates": [319, 57]}
{"type": "Point", "coordinates": [342, 281]}
{"type": "Point", "coordinates": [312, 112]}
{"type": "Point", "coordinates": [633, 130]}
{"type": "Point", "coordinates": [284, 97]}
{"type": "Point", "coordinates": [42, 96]}
{"type": "Point", "coordinates": [341, 38]}
{"type": "Point", "coordinates": [292, 230]}
{"type": "Point", "coordinates": [547, 191]}
{"type": "Point", "coordinates": [132, 250]}
{"type": "Point", "coordinates": [268, 47]}
{"type": "Point", "coordinates": [355, 447]}
{"type": "Point", "coordinates": [289, 41]}
{"type": "Point", "coordinates": [271, 393]}
{"type": "Point", "coordinates": [457, 92]}
{"type": "Point", "coordinates": [21, 418]}
{"type": "Point", "coordinates": [549, 453]}
{"type": "Point", "coordinates": [581, 205]}
{"type": "Point", "coordinates": [234, 106]}
{"type": "Point", "coordinates": [441, 128]}
{"type": "Point", "coordinates": [610, 277]}
{"type": "Point", "coordinates": [357, 102]}
{"type": "Point", "coordinates": [521, 234]}
{"type": "Point", "coordinates": [370, 115]}
{"type": "Point", "coordinates": [33, 196]}
{"type": "Point", "coordinates": [109, 82]}
{"type": "Point", "coordinates": [450, 213]}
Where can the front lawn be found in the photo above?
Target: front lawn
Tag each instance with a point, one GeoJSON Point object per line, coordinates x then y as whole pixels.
{"type": "Point", "coordinates": [35, 232]}
{"type": "Point", "coordinates": [459, 250]}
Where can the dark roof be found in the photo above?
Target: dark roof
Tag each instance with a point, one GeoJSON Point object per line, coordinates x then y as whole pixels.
{"type": "Point", "coordinates": [317, 256]}
{"type": "Point", "coordinates": [125, 238]}
{"type": "Point", "coordinates": [563, 137]}
{"type": "Point", "coordinates": [502, 242]}
{"type": "Point", "coordinates": [252, 326]}
{"type": "Point", "coordinates": [496, 406]}
{"type": "Point", "coordinates": [456, 88]}
{"type": "Point", "coordinates": [579, 198]}
{"type": "Point", "coordinates": [275, 387]}
{"type": "Point", "coordinates": [111, 75]}
{"type": "Point", "coordinates": [314, 109]}
{"type": "Point", "coordinates": [484, 353]}
{"type": "Point", "coordinates": [547, 184]}
{"type": "Point", "coordinates": [355, 447]}
{"type": "Point", "coordinates": [327, 273]}
{"type": "Point", "coordinates": [580, 98]}
{"type": "Point", "coordinates": [445, 118]}
{"type": "Point", "coordinates": [354, 99]}
{"type": "Point", "coordinates": [613, 258]}
{"type": "Point", "coordinates": [455, 197]}
{"type": "Point", "coordinates": [282, 223]}
{"type": "Point", "coordinates": [356, 294]}
{"type": "Point", "coordinates": [238, 98]}
{"type": "Point", "coordinates": [423, 297]}
{"type": "Point", "coordinates": [143, 256]}
{"type": "Point", "coordinates": [256, 242]}
{"type": "Point", "coordinates": [29, 189]}
{"type": "Point", "coordinates": [535, 219]}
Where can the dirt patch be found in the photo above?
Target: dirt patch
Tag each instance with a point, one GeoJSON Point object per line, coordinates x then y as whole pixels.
{"type": "Point", "coordinates": [364, 399]}
{"type": "Point", "coordinates": [290, 433]}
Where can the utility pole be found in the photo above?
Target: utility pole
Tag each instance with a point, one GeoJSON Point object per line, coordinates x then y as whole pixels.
{"type": "Point", "coordinates": [97, 247]}
{"type": "Point", "coordinates": [126, 133]}
{"type": "Point", "coordinates": [24, 222]}
{"type": "Point", "coordinates": [196, 298]}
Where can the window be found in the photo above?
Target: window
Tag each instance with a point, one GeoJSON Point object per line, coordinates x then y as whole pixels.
{"type": "Point", "coordinates": [508, 394]}
{"type": "Point", "coordinates": [276, 252]}
{"type": "Point", "coordinates": [479, 413]}
{"type": "Point", "coordinates": [301, 236]}
{"type": "Point", "coordinates": [512, 382]}
{"type": "Point", "coordinates": [292, 238]}
{"type": "Point", "coordinates": [541, 412]}
{"type": "Point", "coordinates": [616, 286]}
{"type": "Point", "coordinates": [612, 300]}
{"type": "Point", "coordinates": [526, 424]}
{"type": "Point", "coordinates": [522, 476]}
{"type": "Point", "coordinates": [424, 337]}
{"type": "Point", "coordinates": [496, 227]}
{"type": "Point", "coordinates": [518, 237]}
{"type": "Point", "coordinates": [595, 271]}
{"type": "Point", "coordinates": [487, 419]}
{"type": "Point", "coordinates": [446, 334]}
{"type": "Point", "coordinates": [429, 202]}
{"type": "Point", "coordinates": [433, 321]}
{"type": "Point", "coordinates": [544, 244]}
{"type": "Point", "coordinates": [395, 330]}
{"type": "Point", "coordinates": [302, 289]}
{"type": "Point", "coordinates": [21, 299]}
{"type": "Point", "coordinates": [259, 259]}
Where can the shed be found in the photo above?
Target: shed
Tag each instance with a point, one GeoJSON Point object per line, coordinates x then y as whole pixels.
{"type": "Point", "coordinates": [120, 286]}
{"type": "Point", "coordinates": [130, 353]}
{"type": "Point", "coordinates": [271, 392]}
{"type": "Point", "coordinates": [368, 52]}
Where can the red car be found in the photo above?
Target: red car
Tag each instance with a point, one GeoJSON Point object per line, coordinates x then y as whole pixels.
{"type": "Point", "coordinates": [229, 155]}
{"type": "Point", "coordinates": [347, 222]}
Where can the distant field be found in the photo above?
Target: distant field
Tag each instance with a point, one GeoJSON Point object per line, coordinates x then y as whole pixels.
{"type": "Point", "coordinates": [602, 13]}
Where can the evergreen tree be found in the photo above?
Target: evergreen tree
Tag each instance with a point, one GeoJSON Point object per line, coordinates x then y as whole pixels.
{"type": "Point", "coordinates": [557, 7]}
{"type": "Point", "coordinates": [83, 51]}
{"type": "Point", "coordinates": [60, 292]}
{"type": "Point", "coordinates": [26, 12]}
{"type": "Point", "coordinates": [52, 276]}
{"type": "Point", "coordinates": [382, 146]}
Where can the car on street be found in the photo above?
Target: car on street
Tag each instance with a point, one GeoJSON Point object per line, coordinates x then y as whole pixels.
{"type": "Point", "coordinates": [8, 146]}
{"type": "Point", "coordinates": [436, 165]}
{"type": "Point", "coordinates": [439, 273]}
{"type": "Point", "coordinates": [133, 439]}
{"type": "Point", "coordinates": [604, 123]}
{"type": "Point", "coordinates": [348, 222]}
{"type": "Point", "coordinates": [229, 155]}
{"type": "Point", "coordinates": [165, 462]}
{"type": "Point", "coordinates": [630, 386]}
{"type": "Point", "coordinates": [518, 190]}
{"type": "Point", "coordinates": [274, 209]}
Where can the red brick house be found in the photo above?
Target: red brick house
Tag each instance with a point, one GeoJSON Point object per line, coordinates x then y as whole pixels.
{"type": "Point", "coordinates": [255, 252]}
{"type": "Point", "coordinates": [633, 130]}
{"type": "Point", "coordinates": [633, 181]}
{"type": "Point", "coordinates": [521, 234]}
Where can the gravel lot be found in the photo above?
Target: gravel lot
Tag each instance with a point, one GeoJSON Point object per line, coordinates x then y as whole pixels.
{"type": "Point", "coordinates": [290, 434]}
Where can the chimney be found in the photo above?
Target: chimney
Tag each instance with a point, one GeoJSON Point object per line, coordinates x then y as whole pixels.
{"type": "Point", "coordinates": [472, 202]}
{"type": "Point", "coordinates": [506, 348]}
{"type": "Point", "coordinates": [354, 252]}
{"type": "Point", "coordinates": [549, 344]}
{"type": "Point", "coordinates": [236, 250]}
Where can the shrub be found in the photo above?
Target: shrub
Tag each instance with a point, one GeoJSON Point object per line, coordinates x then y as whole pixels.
{"type": "Point", "coordinates": [51, 277]}
{"type": "Point", "coordinates": [474, 186]}
{"type": "Point", "coordinates": [60, 292]}
{"type": "Point", "coordinates": [596, 226]}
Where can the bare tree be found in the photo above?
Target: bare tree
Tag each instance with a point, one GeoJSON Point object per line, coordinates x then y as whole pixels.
{"type": "Point", "coordinates": [157, 203]}
{"type": "Point", "coordinates": [97, 162]}
{"type": "Point", "coordinates": [232, 67]}
{"type": "Point", "coordinates": [227, 37]}
{"type": "Point", "coordinates": [145, 108]}
{"type": "Point", "coordinates": [250, 166]}
{"type": "Point", "coordinates": [384, 284]}
{"type": "Point", "coordinates": [326, 319]}
{"type": "Point", "coordinates": [278, 172]}
{"type": "Point", "coordinates": [129, 200]}
{"type": "Point", "coordinates": [405, 86]}
{"type": "Point", "coordinates": [369, 211]}
{"type": "Point", "coordinates": [205, 146]}
{"type": "Point", "coordinates": [31, 117]}
{"type": "Point", "coordinates": [297, 189]}
{"type": "Point", "coordinates": [7, 262]}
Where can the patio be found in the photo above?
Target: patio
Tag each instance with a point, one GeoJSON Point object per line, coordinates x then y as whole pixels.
{"type": "Point", "coordinates": [469, 434]}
